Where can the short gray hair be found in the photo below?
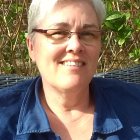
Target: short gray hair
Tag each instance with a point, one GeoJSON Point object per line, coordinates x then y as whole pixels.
{"type": "Point", "coordinates": [39, 8]}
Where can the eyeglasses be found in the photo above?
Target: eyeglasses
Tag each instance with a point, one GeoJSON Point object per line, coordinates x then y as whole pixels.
{"type": "Point", "coordinates": [60, 36]}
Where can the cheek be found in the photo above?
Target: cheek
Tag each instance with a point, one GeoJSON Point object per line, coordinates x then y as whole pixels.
{"type": "Point", "coordinates": [47, 53]}
{"type": "Point", "coordinates": [94, 51]}
{"type": "Point", "coordinates": [38, 50]}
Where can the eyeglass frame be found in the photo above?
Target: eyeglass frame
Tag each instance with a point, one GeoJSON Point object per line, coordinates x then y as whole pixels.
{"type": "Point", "coordinates": [44, 31]}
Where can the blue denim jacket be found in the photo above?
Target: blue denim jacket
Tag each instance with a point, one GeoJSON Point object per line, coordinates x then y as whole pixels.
{"type": "Point", "coordinates": [116, 117]}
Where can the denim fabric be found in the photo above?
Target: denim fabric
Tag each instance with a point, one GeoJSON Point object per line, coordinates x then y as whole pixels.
{"type": "Point", "coordinates": [116, 117]}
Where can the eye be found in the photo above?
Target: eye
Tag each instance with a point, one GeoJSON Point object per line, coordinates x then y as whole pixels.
{"type": "Point", "coordinates": [57, 34]}
{"type": "Point", "coordinates": [89, 35]}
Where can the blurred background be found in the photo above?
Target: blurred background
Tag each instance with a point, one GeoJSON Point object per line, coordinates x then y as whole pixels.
{"type": "Point", "coordinates": [121, 37]}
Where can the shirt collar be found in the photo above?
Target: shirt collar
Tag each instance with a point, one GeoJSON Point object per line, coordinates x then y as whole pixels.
{"type": "Point", "coordinates": [105, 118]}
{"type": "Point", "coordinates": [33, 119]}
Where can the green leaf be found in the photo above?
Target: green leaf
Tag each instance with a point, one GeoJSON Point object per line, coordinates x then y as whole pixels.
{"type": "Point", "coordinates": [115, 21]}
{"type": "Point", "coordinates": [135, 54]}
{"type": "Point", "coordinates": [121, 41]}
{"type": "Point", "coordinates": [127, 15]}
{"type": "Point", "coordinates": [114, 16]}
{"type": "Point", "coordinates": [137, 23]}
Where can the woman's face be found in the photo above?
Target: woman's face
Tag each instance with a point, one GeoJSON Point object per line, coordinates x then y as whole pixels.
{"type": "Point", "coordinates": [71, 64]}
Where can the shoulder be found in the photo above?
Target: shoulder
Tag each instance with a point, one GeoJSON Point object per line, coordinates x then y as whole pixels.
{"type": "Point", "coordinates": [15, 89]}
{"type": "Point", "coordinates": [11, 99]}
{"type": "Point", "coordinates": [117, 92]}
{"type": "Point", "coordinates": [123, 97]}
{"type": "Point", "coordinates": [114, 85]}
{"type": "Point", "coordinates": [119, 97]}
{"type": "Point", "coordinates": [13, 95]}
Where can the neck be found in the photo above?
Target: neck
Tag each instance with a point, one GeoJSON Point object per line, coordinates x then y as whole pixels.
{"type": "Point", "coordinates": [73, 103]}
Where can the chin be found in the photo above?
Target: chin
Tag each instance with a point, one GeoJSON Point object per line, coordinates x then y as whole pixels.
{"type": "Point", "coordinates": [73, 83]}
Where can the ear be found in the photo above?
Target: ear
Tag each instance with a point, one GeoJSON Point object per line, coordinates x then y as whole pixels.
{"type": "Point", "coordinates": [30, 47]}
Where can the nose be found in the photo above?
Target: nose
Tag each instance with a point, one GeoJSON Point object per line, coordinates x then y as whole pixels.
{"type": "Point", "coordinates": [74, 45]}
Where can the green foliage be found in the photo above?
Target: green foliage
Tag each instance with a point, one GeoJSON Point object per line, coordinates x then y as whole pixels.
{"type": "Point", "coordinates": [117, 22]}
{"type": "Point", "coordinates": [135, 55]}
{"type": "Point", "coordinates": [13, 51]}
{"type": "Point", "coordinates": [136, 22]}
{"type": "Point", "coordinates": [121, 37]}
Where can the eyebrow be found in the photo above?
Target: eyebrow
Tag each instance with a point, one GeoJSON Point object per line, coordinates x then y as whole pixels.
{"type": "Point", "coordinates": [85, 26]}
{"type": "Point", "coordinates": [61, 24]}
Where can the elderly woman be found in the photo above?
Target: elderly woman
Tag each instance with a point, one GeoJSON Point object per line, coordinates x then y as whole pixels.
{"type": "Point", "coordinates": [65, 102]}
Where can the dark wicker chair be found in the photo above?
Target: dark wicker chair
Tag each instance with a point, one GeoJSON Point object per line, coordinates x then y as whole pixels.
{"type": "Point", "coordinates": [9, 80]}
{"type": "Point", "coordinates": [131, 74]}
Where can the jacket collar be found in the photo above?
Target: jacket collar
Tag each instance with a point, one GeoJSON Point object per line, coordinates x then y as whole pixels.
{"type": "Point", "coordinates": [33, 119]}
{"type": "Point", "coordinates": [105, 118]}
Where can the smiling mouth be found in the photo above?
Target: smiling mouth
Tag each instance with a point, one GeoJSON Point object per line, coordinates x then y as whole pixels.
{"type": "Point", "coordinates": [73, 63]}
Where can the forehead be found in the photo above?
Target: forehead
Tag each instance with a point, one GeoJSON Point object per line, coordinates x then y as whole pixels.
{"type": "Point", "coordinates": [70, 15]}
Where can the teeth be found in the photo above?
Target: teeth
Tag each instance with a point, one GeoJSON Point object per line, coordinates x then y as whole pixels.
{"type": "Point", "coordinates": [71, 63]}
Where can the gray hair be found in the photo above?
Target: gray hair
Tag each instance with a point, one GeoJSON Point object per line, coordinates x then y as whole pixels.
{"type": "Point", "coordinates": [39, 8]}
